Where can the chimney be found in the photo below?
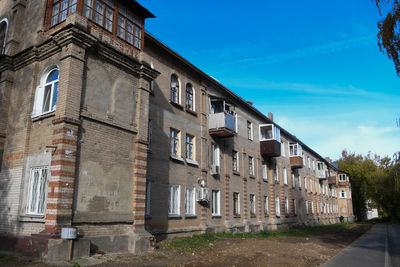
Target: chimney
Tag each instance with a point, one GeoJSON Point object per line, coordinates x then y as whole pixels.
{"type": "Point", "coordinates": [271, 116]}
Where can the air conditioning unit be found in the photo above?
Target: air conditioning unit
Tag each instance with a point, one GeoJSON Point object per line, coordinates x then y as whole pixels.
{"type": "Point", "coordinates": [203, 195]}
{"type": "Point", "coordinates": [215, 170]}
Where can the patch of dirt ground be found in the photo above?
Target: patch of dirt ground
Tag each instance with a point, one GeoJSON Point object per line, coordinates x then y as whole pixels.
{"type": "Point", "coordinates": [312, 250]}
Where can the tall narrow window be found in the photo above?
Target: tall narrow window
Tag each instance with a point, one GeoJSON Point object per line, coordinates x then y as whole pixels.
{"type": "Point", "coordinates": [286, 206]}
{"type": "Point", "coordinates": [293, 181]}
{"type": "Point", "coordinates": [62, 9]}
{"type": "Point", "coordinates": [174, 142]}
{"type": "Point", "coordinates": [306, 205]}
{"type": "Point", "coordinates": [46, 93]}
{"type": "Point", "coordinates": [252, 205]}
{"type": "Point", "coordinates": [37, 191]}
{"type": "Point", "coordinates": [251, 166]}
{"type": "Point", "coordinates": [312, 207]}
{"type": "Point", "coordinates": [3, 35]}
{"type": "Point", "coordinates": [305, 183]}
{"type": "Point", "coordinates": [285, 180]}
{"type": "Point", "coordinates": [295, 207]}
{"type": "Point", "coordinates": [1, 158]}
{"type": "Point", "coordinates": [174, 200]}
{"type": "Point", "coordinates": [249, 130]}
{"type": "Point", "coordinates": [216, 203]}
{"type": "Point", "coordinates": [235, 161]}
{"type": "Point", "coordinates": [276, 173]}
{"type": "Point", "coordinates": [277, 207]}
{"type": "Point", "coordinates": [265, 171]}
{"type": "Point", "coordinates": [299, 178]}
{"type": "Point", "coordinates": [174, 93]}
{"type": "Point", "coordinates": [190, 201]}
{"type": "Point", "coordinates": [189, 97]}
{"type": "Point", "coordinates": [214, 154]}
{"type": "Point", "coordinates": [236, 204]}
{"type": "Point", "coordinates": [190, 147]}
{"type": "Point", "coordinates": [266, 205]}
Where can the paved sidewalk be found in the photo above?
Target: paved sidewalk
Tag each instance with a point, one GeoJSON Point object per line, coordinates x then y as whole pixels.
{"type": "Point", "coordinates": [369, 250]}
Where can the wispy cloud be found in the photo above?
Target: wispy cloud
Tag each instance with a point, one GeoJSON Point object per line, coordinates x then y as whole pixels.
{"type": "Point", "coordinates": [329, 138]}
{"type": "Point", "coordinates": [310, 51]}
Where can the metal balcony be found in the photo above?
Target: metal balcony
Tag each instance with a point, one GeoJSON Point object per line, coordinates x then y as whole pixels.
{"type": "Point", "coordinates": [296, 162]}
{"type": "Point", "coordinates": [221, 124]}
{"type": "Point", "coordinates": [270, 148]}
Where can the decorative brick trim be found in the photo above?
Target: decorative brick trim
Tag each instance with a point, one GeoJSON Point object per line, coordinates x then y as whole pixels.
{"type": "Point", "coordinates": [63, 163]}
{"type": "Point", "coordinates": [141, 141]}
{"type": "Point", "coordinates": [62, 173]}
{"type": "Point", "coordinates": [139, 149]}
{"type": "Point", "coordinates": [66, 120]}
{"type": "Point", "coordinates": [65, 130]}
{"type": "Point", "coordinates": [142, 167]}
{"type": "Point", "coordinates": [60, 184]}
{"type": "Point", "coordinates": [64, 141]}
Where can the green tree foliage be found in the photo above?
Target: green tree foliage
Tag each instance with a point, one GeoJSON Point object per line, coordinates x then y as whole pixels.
{"type": "Point", "coordinates": [373, 178]}
{"type": "Point", "coordinates": [389, 30]}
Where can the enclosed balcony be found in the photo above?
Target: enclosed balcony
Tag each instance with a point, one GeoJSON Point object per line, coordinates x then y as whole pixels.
{"type": "Point", "coordinates": [221, 119]}
{"type": "Point", "coordinates": [270, 140]}
{"type": "Point", "coordinates": [321, 173]}
{"type": "Point", "coordinates": [296, 155]}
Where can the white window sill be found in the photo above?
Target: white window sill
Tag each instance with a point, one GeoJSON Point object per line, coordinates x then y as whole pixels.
{"type": "Point", "coordinates": [177, 158]}
{"type": "Point", "coordinates": [36, 117]}
{"type": "Point", "coordinates": [192, 162]}
{"type": "Point", "coordinates": [216, 215]}
{"type": "Point", "coordinates": [265, 179]}
{"type": "Point", "coordinates": [190, 216]}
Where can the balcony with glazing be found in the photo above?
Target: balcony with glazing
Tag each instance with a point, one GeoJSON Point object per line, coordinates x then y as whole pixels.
{"type": "Point", "coordinates": [296, 155]}
{"type": "Point", "coordinates": [321, 172]}
{"type": "Point", "coordinates": [331, 177]}
{"type": "Point", "coordinates": [222, 118]}
{"type": "Point", "coordinates": [270, 140]}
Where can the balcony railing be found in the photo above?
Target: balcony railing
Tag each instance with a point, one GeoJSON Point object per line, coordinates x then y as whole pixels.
{"type": "Point", "coordinates": [221, 124]}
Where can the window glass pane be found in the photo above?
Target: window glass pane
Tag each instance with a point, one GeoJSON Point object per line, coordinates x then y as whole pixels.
{"type": "Point", "coordinates": [55, 90]}
{"type": "Point", "coordinates": [72, 6]}
{"type": "Point", "coordinates": [46, 99]}
{"type": "Point", "coordinates": [110, 3]}
{"type": "Point", "coordinates": [53, 76]}
{"type": "Point", "coordinates": [129, 38]}
{"type": "Point", "coordinates": [98, 14]}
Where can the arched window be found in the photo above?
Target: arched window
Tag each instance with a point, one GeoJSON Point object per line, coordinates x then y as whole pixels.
{"type": "Point", "coordinates": [46, 92]}
{"type": "Point", "coordinates": [174, 94]}
{"type": "Point", "coordinates": [189, 97]}
{"type": "Point", "coordinates": [3, 35]}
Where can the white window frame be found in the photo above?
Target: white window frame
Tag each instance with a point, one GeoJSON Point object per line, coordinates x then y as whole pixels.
{"type": "Point", "coordinates": [287, 206]}
{"type": "Point", "coordinates": [216, 203]}
{"type": "Point", "coordinates": [214, 154]}
{"type": "Point", "coordinates": [305, 183]}
{"type": "Point", "coordinates": [3, 48]}
{"type": "Point", "coordinates": [235, 164]}
{"type": "Point", "coordinates": [276, 173]}
{"type": "Point", "coordinates": [174, 200]}
{"type": "Point", "coordinates": [295, 207]}
{"type": "Point", "coordinates": [250, 135]}
{"type": "Point", "coordinates": [177, 89]}
{"type": "Point", "coordinates": [277, 207]}
{"type": "Point", "coordinates": [342, 194]}
{"type": "Point", "coordinates": [251, 166]}
{"type": "Point", "coordinates": [190, 201]}
{"type": "Point", "coordinates": [37, 191]}
{"type": "Point", "coordinates": [193, 98]}
{"type": "Point", "coordinates": [175, 148]}
{"type": "Point", "coordinates": [312, 207]}
{"type": "Point", "coordinates": [342, 177]}
{"type": "Point", "coordinates": [253, 202]}
{"type": "Point", "coordinates": [266, 205]}
{"type": "Point", "coordinates": [299, 178]}
{"type": "Point", "coordinates": [264, 171]}
{"type": "Point", "coordinates": [295, 150]}
{"type": "Point", "coordinates": [276, 133]}
{"type": "Point", "coordinates": [306, 205]}
{"type": "Point", "coordinates": [293, 181]}
{"type": "Point", "coordinates": [190, 143]}
{"type": "Point", "coordinates": [285, 179]}
{"type": "Point", "coordinates": [236, 205]}
{"type": "Point", "coordinates": [38, 105]}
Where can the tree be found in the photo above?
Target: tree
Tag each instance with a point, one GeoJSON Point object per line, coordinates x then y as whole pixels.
{"type": "Point", "coordinates": [389, 30]}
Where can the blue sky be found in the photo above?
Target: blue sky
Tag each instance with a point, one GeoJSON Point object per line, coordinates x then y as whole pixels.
{"type": "Point", "coordinates": [314, 64]}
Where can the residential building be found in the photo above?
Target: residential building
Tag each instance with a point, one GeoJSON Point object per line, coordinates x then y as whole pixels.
{"type": "Point", "coordinates": [106, 129]}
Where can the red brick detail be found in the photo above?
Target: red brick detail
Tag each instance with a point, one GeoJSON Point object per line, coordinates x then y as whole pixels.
{"type": "Point", "coordinates": [141, 141]}
{"type": "Point", "coordinates": [140, 200]}
{"type": "Point", "coordinates": [64, 141]}
{"type": "Point", "coordinates": [141, 158]}
{"type": "Point", "coordinates": [61, 184]}
{"type": "Point", "coordinates": [59, 206]}
{"type": "Point", "coordinates": [53, 217]}
{"type": "Point", "coordinates": [60, 195]}
{"type": "Point", "coordinates": [66, 120]}
{"type": "Point", "coordinates": [63, 173]}
{"type": "Point", "coordinates": [14, 156]}
{"type": "Point", "coordinates": [139, 209]}
{"type": "Point", "coordinates": [62, 162]}
{"type": "Point", "coordinates": [139, 149]}
{"type": "Point", "coordinates": [64, 131]}
{"type": "Point", "coordinates": [62, 152]}
{"type": "Point", "coordinates": [137, 183]}
{"type": "Point", "coordinates": [139, 192]}
{"type": "Point", "coordinates": [140, 175]}
{"type": "Point", "coordinates": [142, 167]}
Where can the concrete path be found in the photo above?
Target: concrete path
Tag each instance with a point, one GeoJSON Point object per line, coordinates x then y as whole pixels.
{"type": "Point", "coordinates": [379, 247]}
